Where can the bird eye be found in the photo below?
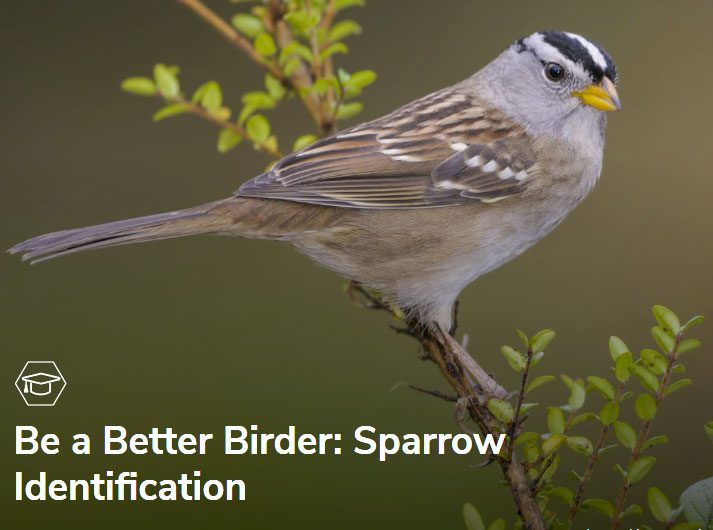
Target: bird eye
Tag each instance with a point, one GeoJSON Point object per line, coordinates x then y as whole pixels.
{"type": "Point", "coordinates": [554, 71]}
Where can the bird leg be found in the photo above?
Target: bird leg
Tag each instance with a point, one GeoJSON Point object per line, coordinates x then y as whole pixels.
{"type": "Point", "coordinates": [486, 382]}
{"type": "Point", "coordinates": [372, 300]}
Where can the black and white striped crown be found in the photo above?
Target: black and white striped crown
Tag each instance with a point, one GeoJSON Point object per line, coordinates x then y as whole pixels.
{"type": "Point", "coordinates": [572, 48]}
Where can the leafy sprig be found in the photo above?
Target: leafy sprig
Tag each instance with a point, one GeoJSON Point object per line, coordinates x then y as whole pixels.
{"type": "Point", "coordinates": [295, 42]}
{"type": "Point", "coordinates": [656, 374]}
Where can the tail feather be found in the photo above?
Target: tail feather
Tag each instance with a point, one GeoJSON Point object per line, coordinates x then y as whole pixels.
{"type": "Point", "coordinates": [140, 229]}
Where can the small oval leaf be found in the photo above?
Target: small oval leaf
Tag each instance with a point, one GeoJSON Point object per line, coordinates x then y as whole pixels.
{"type": "Point", "coordinates": [141, 86]}
{"type": "Point", "coordinates": [645, 407]}
{"type": "Point", "coordinates": [625, 434]}
{"type": "Point", "coordinates": [639, 469]}
{"type": "Point", "coordinates": [659, 504]}
{"type": "Point", "coordinates": [472, 518]}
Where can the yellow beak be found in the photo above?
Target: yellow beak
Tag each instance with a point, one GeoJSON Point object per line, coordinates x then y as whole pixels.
{"type": "Point", "coordinates": [602, 96]}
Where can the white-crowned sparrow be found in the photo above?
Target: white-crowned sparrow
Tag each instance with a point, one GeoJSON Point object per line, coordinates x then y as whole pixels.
{"type": "Point", "coordinates": [419, 203]}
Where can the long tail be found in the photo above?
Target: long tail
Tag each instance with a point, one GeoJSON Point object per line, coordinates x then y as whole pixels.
{"type": "Point", "coordinates": [204, 219]}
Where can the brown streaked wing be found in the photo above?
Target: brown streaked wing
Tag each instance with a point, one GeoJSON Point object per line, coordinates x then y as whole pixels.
{"type": "Point", "coordinates": [399, 161]}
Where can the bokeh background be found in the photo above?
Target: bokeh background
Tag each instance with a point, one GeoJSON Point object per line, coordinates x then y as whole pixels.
{"type": "Point", "coordinates": [200, 333]}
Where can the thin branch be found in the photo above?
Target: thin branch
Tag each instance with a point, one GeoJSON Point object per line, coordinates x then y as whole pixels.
{"type": "Point", "coordinates": [300, 81]}
{"type": "Point", "coordinates": [329, 100]}
{"type": "Point", "coordinates": [592, 461]}
{"type": "Point", "coordinates": [456, 365]}
{"type": "Point", "coordinates": [235, 38]}
{"type": "Point", "coordinates": [434, 393]}
{"type": "Point", "coordinates": [489, 385]}
{"type": "Point", "coordinates": [535, 484]}
{"type": "Point", "coordinates": [448, 360]}
{"type": "Point", "coordinates": [520, 399]}
{"type": "Point", "coordinates": [223, 124]}
{"type": "Point", "coordinates": [643, 433]}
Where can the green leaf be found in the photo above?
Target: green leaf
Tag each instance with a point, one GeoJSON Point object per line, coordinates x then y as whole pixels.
{"type": "Point", "coordinates": [617, 347]}
{"type": "Point", "coordinates": [634, 509]}
{"type": "Point", "coordinates": [473, 520]}
{"type": "Point", "coordinates": [688, 345]}
{"type": "Point", "coordinates": [625, 434]}
{"type": "Point", "coordinates": [602, 386]}
{"type": "Point", "coordinates": [211, 96]}
{"type": "Point", "coordinates": [531, 453]}
{"type": "Point", "coordinates": [498, 524]}
{"type": "Point", "coordinates": [622, 365]}
{"type": "Point", "coordinates": [291, 66]}
{"type": "Point", "coordinates": [361, 79]}
{"type": "Point", "coordinates": [248, 25]}
{"type": "Point", "coordinates": [323, 85]}
{"type": "Point", "coordinates": [678, 385]}
{"type": "Point", "coordinates": [581, 418]}
{"type": "Point", "coordinates": [332, 49]}
{"type": "Point", "coordinates": [502, 410]}
{"type": "Point", "coordinates": [342, 30]}
{"type": "Point", "coordinates": [245, 114]}
{"type": "Point", "coordinates": [667, 319]}
{"type": "Point", "coordinates": [527, 438]}
{"type": "Point", "coordinates": [659, 504]}
{"type": "Point", "coordinates": [166, 81]}
{"type": "Point", "coordinates": [555, 420]}
{"type": "Point", "coordinates": [655, 440]}
{"type": "Point", "coordinates": [349, 110]}
{"type": "Point", "coordinates": [302, 21]}
{"type": "Point", "coordinates": [265, 44]}
{"type": "Point", "coordinates": [647, 378]}
{"type": "Point", "coordinates": [686, 526]}
{"type": "Point", "coordinates": [608, 448]}
{"type": "Point", "coordinates": [170, 110]}
{"type": "Point", "coordinates": [708, 427]}
{"type": "Point", "coordinates": [528, 406]}
{"type": "Point", "coordinates": [340, 5]}
{"type": "Point", "coordinates": [515, 359]}
{"type": "Point", "coordinates": [258, 100]}
{"type": "Point", "coordinates": [258, 128]}
{"type": "Point", "coordinates": [619, 470]}
{"type": "Point", "coordinates": [538, 382]}
{"type": "Point", "coordinates": [577, 395]}
{"type": "Point", "coordinates": [693, 322]}
{"type": "Point", "coordinates": [664, 339]}
{"type": "Point", "coordinates": [536, 358]}
{"type": "Point", "coordinates": [609, 413]}
{"type": "Point", "coordinates": [563, 494]}
{"type": "Point", "coordinates": [645, 407]}
{"type": "Point", "coordinates": [271, 143]}
{"type": "Point", "coordinates": [553, 443]}
{"type": "Point", "coordinates": [541, 340]}
{"type": "Point", "coordinates": [227, 139]}
{"type": "Point", "coordinates": [599, 505]}
{"type": "Point", "coordinates": [639, 469]}
{"type": "Point", "coordinates": [654, 361]}
{"type": "Point", "coordinates": [523, 338]}
{"type": "Point", "coordinates": [697, 502]}
{"type": "Point", "coordinates": [580, 445]}
{"type": "Point", "coordinates": [141, 86]}
{"type": "Point", "coordinates": [304, 141]}
{"type": "Point", "coordinates": [295, 48]}
{"type": "Point", "coordinates": [198, 94]}
{"type": "Point", "coordinates": [275, 87]}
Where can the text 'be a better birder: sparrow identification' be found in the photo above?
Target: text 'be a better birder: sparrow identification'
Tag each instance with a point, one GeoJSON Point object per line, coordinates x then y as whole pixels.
{"type": "Point", "coordinates": [236, 440]}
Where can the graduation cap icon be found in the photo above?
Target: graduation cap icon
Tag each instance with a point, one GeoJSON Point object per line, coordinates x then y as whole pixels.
{"type": "Point", "coordinates": [39, 384]}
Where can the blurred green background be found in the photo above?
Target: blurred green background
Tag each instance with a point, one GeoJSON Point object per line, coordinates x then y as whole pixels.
{"type": "Point", "coordinates": [200, 333]}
